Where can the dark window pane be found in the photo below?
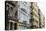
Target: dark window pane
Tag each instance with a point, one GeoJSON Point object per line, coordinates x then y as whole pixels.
{"type": "Point", "coordinates": [23, 10]}
{"type": "Point", "coordinates": [16, 14]}
{"type": "Point", "coordinates": [11, 26]}
{"type": "Point", "coordinates": [15, 26]}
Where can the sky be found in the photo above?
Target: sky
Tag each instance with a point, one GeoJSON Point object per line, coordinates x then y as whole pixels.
{"type": "Point", "coordinates": [42, 5]}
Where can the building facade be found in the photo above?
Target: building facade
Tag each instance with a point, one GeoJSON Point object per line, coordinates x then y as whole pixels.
{"type": "Point", "coordinates": [41, 20]}
{"type": "Point", "coordinates": [10, 15]}
{"type": "Point", "coordinates": [17, 14]}
{"type": "Point", "coordinates": [35, 15]}
{"type": "Point", "coordinates": [22, 15]}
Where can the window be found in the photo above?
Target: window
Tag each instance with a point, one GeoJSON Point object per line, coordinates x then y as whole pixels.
{"type": "Point", "coordinates": [16, 14]}
{"type": "Point", "coordinates": [23, 10]}
{"type": "Point", "coordinates": [7, 7]}
{"type": "Point", "coordinates": [15, 26]}
{"type": "Point", "coordinates": [11, 8]}
{"type": "Point", "coordinates": [11, 26]}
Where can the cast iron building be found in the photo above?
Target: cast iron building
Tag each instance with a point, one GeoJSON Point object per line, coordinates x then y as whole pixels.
{"type": "Point", "coordinates": [21, 15]}
{"type": "Point", "coordinates": [17, 14]}
{"type": "Point", "coordinates": [10, 15]}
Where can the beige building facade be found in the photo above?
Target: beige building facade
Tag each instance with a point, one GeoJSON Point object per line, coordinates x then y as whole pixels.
{"type": "Point", "coordinates": [35, 16]}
